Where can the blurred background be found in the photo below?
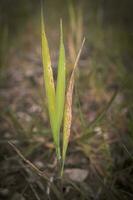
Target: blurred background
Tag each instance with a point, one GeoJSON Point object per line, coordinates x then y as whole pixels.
{"type": "Point", "coordinates": [99, 164]}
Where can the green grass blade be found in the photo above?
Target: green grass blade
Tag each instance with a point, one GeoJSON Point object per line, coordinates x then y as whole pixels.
{"type": "Point", "coordinates": [48, 77]}
{"type": "Point", "coordinates": [60, 88]}
{"type": "Point", "coordinates": [68, 110]}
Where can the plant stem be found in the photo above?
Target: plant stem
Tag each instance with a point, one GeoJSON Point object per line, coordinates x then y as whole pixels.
{"type": "Point", "coordinates": [58, 153]}
{"type": "Point", "coordinates": [62, 169]}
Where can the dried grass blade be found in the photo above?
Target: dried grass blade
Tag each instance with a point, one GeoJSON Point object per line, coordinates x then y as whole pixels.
{"type": "Point", "coordinates": [68, 110]}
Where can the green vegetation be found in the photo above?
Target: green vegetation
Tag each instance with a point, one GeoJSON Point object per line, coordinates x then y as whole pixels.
{"type": "Point", "coordinates": [72, 139]}
{"type": "Point", "coordinates": [59, 106]}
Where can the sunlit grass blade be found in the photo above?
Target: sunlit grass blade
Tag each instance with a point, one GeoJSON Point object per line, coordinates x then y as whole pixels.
{"type": "Point", "coordinates": [60, 88]}
{"type": "Point", "coordinates": [48, 78]}
{"type": "Point", "coordinates": [68, 110]}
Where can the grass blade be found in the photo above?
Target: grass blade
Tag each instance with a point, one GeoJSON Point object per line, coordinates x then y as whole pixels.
{"type": "Point", "coordinates": [72, 16]}
{"type": "Point", "coordinates": [97, 119]}
{"type": "Point", "coordinates": [60, 89]}
{"type": "Point", "coordinates": [68, 110]}
{"type": "Point", "coordinates": [48, 77]}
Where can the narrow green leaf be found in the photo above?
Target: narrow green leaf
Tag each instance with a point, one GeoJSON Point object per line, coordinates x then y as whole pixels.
{"type": "Point", "coordinates": [48, 77]}
{"type": "Point", "coordinates": [60, 89]}
{"type": "Point", "coordinates": [68, 110]}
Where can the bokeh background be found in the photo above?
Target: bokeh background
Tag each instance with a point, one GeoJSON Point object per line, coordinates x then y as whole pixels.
{"type": "Point", "coordinates": [99, 161]}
